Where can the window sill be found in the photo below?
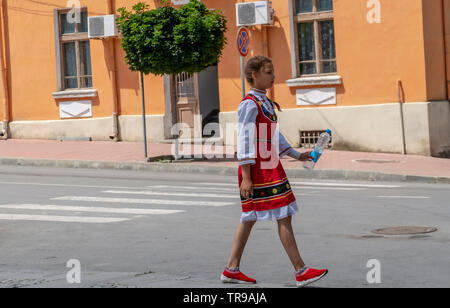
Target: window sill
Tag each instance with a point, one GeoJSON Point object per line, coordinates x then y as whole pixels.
{"type": "Point", "coordinates": [75, 93]}
{"type": "Point", "coordinates": [314, 81]}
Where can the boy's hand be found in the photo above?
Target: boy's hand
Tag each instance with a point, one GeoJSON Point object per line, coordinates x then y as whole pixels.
{"type": "Point", "coordinates": [306, 156]}
{"type": "Point", "coordinates": [246, 188]}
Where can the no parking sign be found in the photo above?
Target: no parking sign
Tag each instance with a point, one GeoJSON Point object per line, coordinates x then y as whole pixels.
{"type": "Point", "coordinates": [243, 41]}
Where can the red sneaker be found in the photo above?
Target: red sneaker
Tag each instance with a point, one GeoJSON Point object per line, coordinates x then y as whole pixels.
{"type": "Point", "coordinates": [309, 276]}
{"type": "Point", "coordinates": [235, 277]}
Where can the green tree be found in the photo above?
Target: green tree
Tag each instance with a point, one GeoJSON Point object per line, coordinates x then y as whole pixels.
{"type": "Point", "coordinates": [170, 41]}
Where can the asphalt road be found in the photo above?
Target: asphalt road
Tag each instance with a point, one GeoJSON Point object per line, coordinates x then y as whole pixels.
{"type": "Point", "coordinates": [141, 229]}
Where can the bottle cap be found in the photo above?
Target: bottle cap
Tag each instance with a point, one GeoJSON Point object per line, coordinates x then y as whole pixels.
{"type": "Point", "coordinates": [328, 131]}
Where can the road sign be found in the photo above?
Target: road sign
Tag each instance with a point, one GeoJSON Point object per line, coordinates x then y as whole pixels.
{"type": "Point", "coordinates": [243, 40]}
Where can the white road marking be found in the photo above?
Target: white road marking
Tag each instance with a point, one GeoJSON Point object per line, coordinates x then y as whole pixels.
{"type": "Point", "coordinates": [61, 218]}
{"type": "Point", "coordinates": [88, 209]}
{"type": "Point", "coordinates": [159, 193]}
{"type": "Point", "coordinates": [326, 188]}
{"type": "Point", "coordinates": [223, 189]}
{"type": "Point", "coordinates": [216, 184]}
{"type": "Point", "coordinates": [346, 185]}
{"type": "Point", "coordinates": [220, 189]}
{"type": "Point", "coordinates": [71, 185]}
{"type": "Point", "coordinates": [143, 201]}
{"type": "Point", "coordinates": [205, 186]}
{"type": "Point", "coordinates": [406, 197]}
{"type": "Point", "coordinates": [307, 184]}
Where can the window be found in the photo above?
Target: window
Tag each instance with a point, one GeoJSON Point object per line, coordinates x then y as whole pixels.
{"type": "Point", "coordinates": [74, 51]}
{"type": "Point", "coordinates": [316, 52]}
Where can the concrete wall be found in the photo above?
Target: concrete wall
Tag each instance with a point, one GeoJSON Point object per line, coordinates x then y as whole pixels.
{"type": "Point", "coordinates": [374, 128]}
{"type": "Point", "coordinates": [439, 123]}
{"type": "Point", "coordinates": [99, 129]}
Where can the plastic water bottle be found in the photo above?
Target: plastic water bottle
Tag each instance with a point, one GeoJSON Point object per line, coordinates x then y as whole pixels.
{"type": "Point", "coordinates": [322, 143]}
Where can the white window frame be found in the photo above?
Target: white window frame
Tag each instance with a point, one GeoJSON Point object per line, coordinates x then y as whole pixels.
{"type": "Point", "coordinates": [59, 40]}
{"type": "Point", "coordinates": [310, 79]}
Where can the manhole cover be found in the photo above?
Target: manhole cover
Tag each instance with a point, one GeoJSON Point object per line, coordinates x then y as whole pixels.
{"type": "Point", "coordinates": [379, 161]}
{"type": "Point", "coordinates": [404, 230]}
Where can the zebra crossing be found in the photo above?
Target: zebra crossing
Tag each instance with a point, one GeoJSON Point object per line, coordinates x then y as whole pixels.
{"type": "Point", "coordinates": [130, 203]}
{"type": "Point", "coordinates": [126, 202]}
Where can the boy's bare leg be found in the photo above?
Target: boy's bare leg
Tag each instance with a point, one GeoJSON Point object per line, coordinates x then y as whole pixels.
{"type": "Point", "coordinates": [240, 240]}
{"type": "Point", "coordinates": [288, 240]}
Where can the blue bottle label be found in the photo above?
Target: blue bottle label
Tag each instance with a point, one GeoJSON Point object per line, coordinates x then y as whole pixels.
{"type": "Point", "coordinates": [315, 155]}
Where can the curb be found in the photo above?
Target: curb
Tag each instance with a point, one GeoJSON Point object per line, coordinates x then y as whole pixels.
{"type": "Point", "coordinates": [222, 170]}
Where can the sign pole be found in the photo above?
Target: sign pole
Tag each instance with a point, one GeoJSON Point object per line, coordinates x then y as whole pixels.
{"type": "Point", "coordinates": [242, 77]}
{"type": "Point", "coordinates": [143, 115]}
{"type": "Point", "coordinates": [242, 40]}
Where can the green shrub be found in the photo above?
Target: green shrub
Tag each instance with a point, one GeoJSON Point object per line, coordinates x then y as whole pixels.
{"type": "Point", "coordinates": [170, 41]}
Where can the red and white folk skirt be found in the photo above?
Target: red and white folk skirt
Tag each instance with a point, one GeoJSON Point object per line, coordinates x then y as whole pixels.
{"type": "Point", "coordinates": [272, 198]}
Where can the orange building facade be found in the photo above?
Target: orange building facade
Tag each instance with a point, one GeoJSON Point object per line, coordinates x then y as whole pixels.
{"type": "Point", "coordinates": [375, 72]}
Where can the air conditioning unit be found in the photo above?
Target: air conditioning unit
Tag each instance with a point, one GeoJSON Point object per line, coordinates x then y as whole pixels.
{"type": "Point", "coordinates": [254, 13]}
{"type": "Point", "coordinates": [100, 27]}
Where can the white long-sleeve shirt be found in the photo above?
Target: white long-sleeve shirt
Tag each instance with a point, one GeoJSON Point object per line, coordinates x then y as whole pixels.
{"type": "Point", "coordinates": [247, 113]}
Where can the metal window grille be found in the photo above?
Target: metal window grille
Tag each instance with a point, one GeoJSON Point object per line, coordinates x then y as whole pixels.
{"type": "Point", "coordinates": [185, 85]}
{"type": "Point", "coordinates": [308, 139]}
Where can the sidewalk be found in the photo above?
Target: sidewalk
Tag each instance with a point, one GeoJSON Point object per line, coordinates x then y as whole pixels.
{"type": "Point", "coordinates": [337, 165]}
